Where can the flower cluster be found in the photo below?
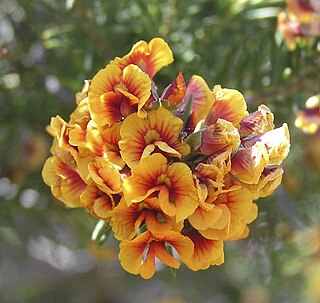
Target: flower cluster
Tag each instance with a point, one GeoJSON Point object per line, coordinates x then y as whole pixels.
{"type": "Point", "coordinates": [174, 175]}
{"type": "Point", "coordinates": [308, 119]}
{"type": "Point", "coordinates": [299, 22]}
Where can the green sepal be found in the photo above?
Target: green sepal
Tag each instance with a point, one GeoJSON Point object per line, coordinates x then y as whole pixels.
{"type": "Point", "coordinates": [194, 140]}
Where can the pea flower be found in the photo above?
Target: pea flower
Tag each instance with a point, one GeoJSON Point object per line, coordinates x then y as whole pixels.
{"type": "Point", "coordinates": [172, 174]}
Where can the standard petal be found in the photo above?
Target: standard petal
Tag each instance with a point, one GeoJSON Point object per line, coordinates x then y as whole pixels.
{"type": "Point", "coordinates": [206, 252]}
{"type": "Point", "coordinates": [249, 163]}
{"type": "Point", "coordinates": [229, 105]}
{"type": "Point", "coordinates": [218, 136]}
{"type": "Point", "coordinates": [105, 175]}
{"type": "Point", "coordinates": [176, 91]}
{"type": "Point", "coordinates": [257, 123]}
{"type": "Point", "coordinates": [150, 57]}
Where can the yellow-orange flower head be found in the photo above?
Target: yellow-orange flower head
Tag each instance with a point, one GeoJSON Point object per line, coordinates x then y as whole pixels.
{"type": "Point", "coordinates": [172, 175]}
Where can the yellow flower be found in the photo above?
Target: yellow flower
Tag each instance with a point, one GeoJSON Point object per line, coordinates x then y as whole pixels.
{"type": "Point", "coordinates": [104, 143]}
{"type": "Point", "coordinates": [229, 105]}
{"type": "Point", "coordinates": [308, 120]}
{"type": "Point", "coordinates": [97, 202]}
{"type": "Point", "coordinates": [202, 101]}
{"type": "Point", "coordinates": [150, 57]}
{"type": "Point", "coordinates": [126, 220]}
{"type": "Point", "coordinates": [176, 91]}
{"type": "Point", "coordinates": [206, 252]}
{"type": "Point", "coordinates": [235, 201]}
{"type": "Point", "coordinates": [270, 179]}
{"type": "Point", "coordinates": [218, 136]}
{"type": "Point", "coordinates": [158, 132]}
{"type": "Point", "coordinates": [81, 115]}
{"type": "Point", "coordinates": [257, 123]}
{"type": "Point", "coordinates": [243, 230]}
{"type": "Point", "coordinates": [276, 142]}
{"type": "Point", "coordinates": [249, 163]}
{"type": "Point", "coordinates": [61, 130]}
{"type": "Point", "coordinates": [209, 180]}
{"type": "Point", "coordinates": [64, 180]}
{"type": "Point", "coordinates": [206, 214]}
{"type": "Point", "coordinates": [115, 93]}
{"type": "Point", "coordinates": [105, 176]}
{"type": "Point", "coordinates": [173, 176]}
{"type": "Point", "coordinates": [290, 30]}
{"type": "Point", "coordinates": [172, 184]}
{"type": "Point", "coordinates": [137, 256]}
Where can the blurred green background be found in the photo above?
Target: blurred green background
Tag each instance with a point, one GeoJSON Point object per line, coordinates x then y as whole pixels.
{"type": "Point", "coordinates": [47, 49]}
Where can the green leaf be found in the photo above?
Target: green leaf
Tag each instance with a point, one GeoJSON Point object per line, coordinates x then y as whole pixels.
{"type": "Point", "coordinates": [194, 140]}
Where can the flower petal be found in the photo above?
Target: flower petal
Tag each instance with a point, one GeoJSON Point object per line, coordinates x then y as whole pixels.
{"type": "Point", "coordinates": [249, 163]}
{"type": "Point", "coordinates": [123, 220]}
{"type": "Point", "coordinates": [257, 123]}
{"type": "Point", "coordinates": [160, 129]}
{"type": "Point", "coordinates": [203, 100]}
{"type": "Point", "coordinates": [270, 179]}
{"type": "Point", "coordinates": [97, 203]}
{"type": "Point", "coordinates": [131, 252]}
{"type": "Point", "coordinates": [150, 57]}
{"type": "Point", "coordinates": [66, 184]}
{"type": "Point", "coordinates": [219, 136]}
{"type": "Point", "coordinates": [206, 252]}
{"type": "Point", "coordinates": [105, 175]}
{"type": "Point", "coordinates": [182, 190]}
{"type": "Point", "coordinates": [141, 183]}
{"type": "Point", "coordinates": [229, 105]}
{"type": "Point", "coordinates": [176, 91]}
{"type": "Point", "coordinates": [182, 244]}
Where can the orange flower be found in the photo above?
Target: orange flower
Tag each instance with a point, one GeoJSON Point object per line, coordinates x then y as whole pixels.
{"type": "Point", "coordinates": [206, 252]}
{"type": "Point", "coordinates": [209, 180]}
{"type": "Point", "coordinates": [159, 132]}
{"type": "Point", "coordinates": [257, 123]}
{"type": "Point", "coordinates": [97, 203]}
{"type": "Point", "coordinates": [126, 220]}
{"type": "Point", "coordinates": [173, 176]}
{"type": "Point", "coordinates": [115, 93]}
{"type": "Point", "coordinates": [308, 120]}
{"type": "Point", "coordinates": [206, 214]}
{"type": "Point", "coordinates": [81, 115]}
{"type": "Point", "coordinates": [276, 142]}
{"type": "Point", "coordinates": [173, 185]}
{"type": "Point", "coordinates": [176, 91]}
{"type": "Point", "coordinates": [202, 101]}
{"type": "Point", "coordinates": [270, 179]}
{"type": "Point", "coordinates": [104, 143]}
{"type": "Point", "coordinates": [249, 163]}
{"type": "Point", "coordinates": [229, 105]}
{"type": "Point", "coordinates": [290, 30]}
{"type": "Point", "coordinates": [235, 201]}
{"type": "Point", "coordinates": [301, 10]}
{"type": "Point", "coordinates": [150, 245]}
{"type": "Point", "coordinates": [105, 176]}
{"type": "Point", "coordinates": [150, 57]}
{"type": "Point", "coordinates": [243, 230]}
{"type": "Point", "coordinates": [61, 131]}
{"type": "Point", "coordinates": [64, 180]}
{"type": "Point", "coordinates": [218, 136]}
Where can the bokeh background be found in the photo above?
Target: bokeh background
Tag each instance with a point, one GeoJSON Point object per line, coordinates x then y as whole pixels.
{"type": "Point", "coordinates": [48, 48]}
